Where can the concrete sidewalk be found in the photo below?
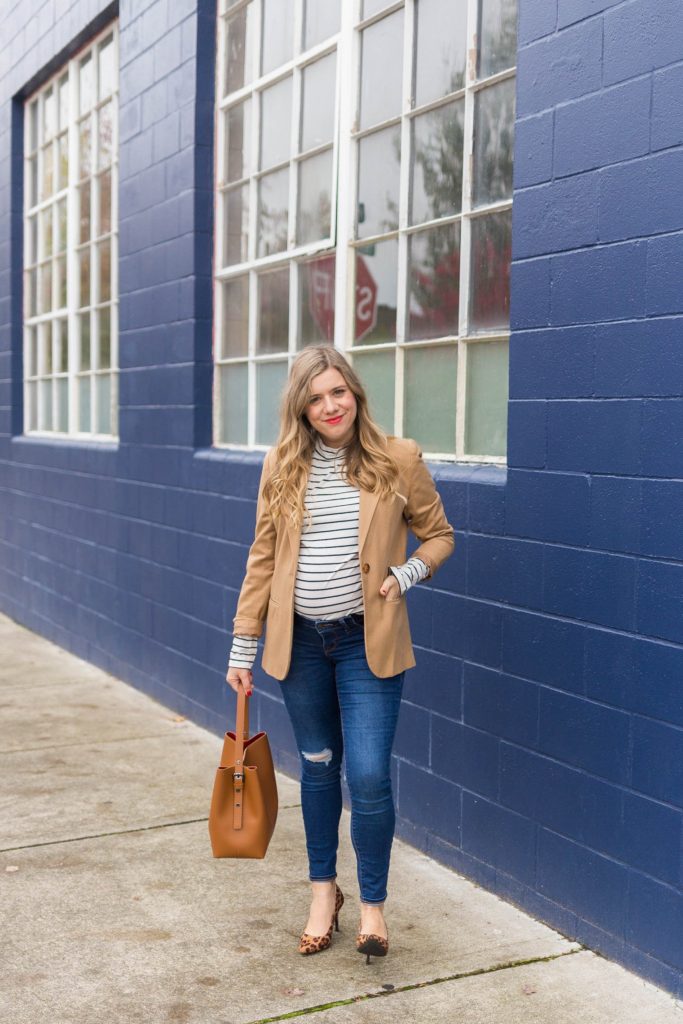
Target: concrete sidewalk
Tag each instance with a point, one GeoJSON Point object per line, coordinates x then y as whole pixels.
{"type": "Point", "coordinates": [114, 910]}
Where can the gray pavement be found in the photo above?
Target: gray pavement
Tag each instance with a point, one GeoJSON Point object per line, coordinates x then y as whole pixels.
{"type": "Point", "coordinates": [113, 909]}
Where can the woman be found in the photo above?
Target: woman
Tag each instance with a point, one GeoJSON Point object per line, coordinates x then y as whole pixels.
{"type": "Point", "coordinates": [327, 570]}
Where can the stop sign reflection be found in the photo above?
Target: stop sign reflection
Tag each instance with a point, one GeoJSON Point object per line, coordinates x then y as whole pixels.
{"type": "Point", "coordinates": [321, 296]}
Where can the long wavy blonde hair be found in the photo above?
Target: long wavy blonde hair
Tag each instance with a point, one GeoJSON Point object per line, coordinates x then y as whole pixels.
{"type": "Point", "coordinates": [368, 464]}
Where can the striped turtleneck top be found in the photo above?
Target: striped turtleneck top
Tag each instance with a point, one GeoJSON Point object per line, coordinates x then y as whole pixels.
{"type": "Point", "coordinates": [328, 580]}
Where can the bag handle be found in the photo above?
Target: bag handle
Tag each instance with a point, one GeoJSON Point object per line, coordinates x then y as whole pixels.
{"type": "Point", "coordinates": [241, 736]}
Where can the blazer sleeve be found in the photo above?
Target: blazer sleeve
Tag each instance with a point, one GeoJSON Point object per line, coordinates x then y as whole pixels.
{"type": "Point", "coordinates": [252, 605]}
{"type": "Point", "coordinates": [425, 515]}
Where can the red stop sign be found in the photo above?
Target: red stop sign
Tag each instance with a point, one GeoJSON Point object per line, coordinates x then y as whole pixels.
{"type": "Point", "coordinates": [321, 296]}
{"type": "Point", "coordinates": [366, 299]}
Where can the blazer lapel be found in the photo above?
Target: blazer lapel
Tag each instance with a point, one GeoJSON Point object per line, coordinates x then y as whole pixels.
{"type": "Point", "coordinates": [368, 504]}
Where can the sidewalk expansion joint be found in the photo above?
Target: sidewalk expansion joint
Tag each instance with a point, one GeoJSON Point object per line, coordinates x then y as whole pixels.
{"type": "Point", "coordinates": [119, 832]}
{"type": "Point", "coordinates": [353, 1000]}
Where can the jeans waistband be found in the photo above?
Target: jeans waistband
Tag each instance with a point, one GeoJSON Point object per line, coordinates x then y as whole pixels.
{"type": "Point", "coordinates": [355, 619]}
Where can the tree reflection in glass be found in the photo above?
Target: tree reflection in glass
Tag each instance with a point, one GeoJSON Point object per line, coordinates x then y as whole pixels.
{"type": "Point", "coordinates": [490, 275]}
{"type": "Point", "coordinates": [438, 139]}
{"type": "Point", "coordinates": [494, 117]}
{"type": "Point", "coordinates": [498, 36]}
{"type": "Point", "coordinates": [434, 286]}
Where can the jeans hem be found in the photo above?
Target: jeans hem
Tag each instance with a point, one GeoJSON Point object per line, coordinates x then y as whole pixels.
{"type": "Point", "coordinates": [327, 878]}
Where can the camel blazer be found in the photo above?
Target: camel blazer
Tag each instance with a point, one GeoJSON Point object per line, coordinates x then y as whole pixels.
{"type": "Point", "coordinates": [267, 593]}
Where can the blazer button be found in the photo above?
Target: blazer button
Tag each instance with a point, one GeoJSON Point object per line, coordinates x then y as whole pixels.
{"type": "Point", "coordinates": [365, 567]}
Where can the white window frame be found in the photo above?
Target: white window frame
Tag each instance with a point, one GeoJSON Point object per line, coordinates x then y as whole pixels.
{"type": "Point", "coordinates": [72, 310]}
{"type": "Point", "coordinates": [342, 241]}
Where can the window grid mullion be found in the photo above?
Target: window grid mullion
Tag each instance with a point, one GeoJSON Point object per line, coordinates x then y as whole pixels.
{"type": "Point", "coordinates": [345, 291]}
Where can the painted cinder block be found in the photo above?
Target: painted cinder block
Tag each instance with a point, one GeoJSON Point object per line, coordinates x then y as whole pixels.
{"type": "Point", "coordinates": [548, 506]}
{"type": "Point", "coordinates": [654, 919]}
{"type": "Point", "coordinates": [529, 290]}
{"type": "Point", "coordinates": [594, 436]}
{"type": "Point", "coordinates": [486, 500]}
{"type": "Point", "coordinates": [412, 735]}
{"type": "Point", "coordinates": [467, 628]}
{"type": "Point", "coordinates": [557, 216]}
{"type": "Point", "coordinates": [602, 129]}
{"type": "Point", "coordinates": [527, 434]}
{"type": "Point", "coordinates": [590, 586]}
{"type": "Point", "coordinates": [664, 258]}
{"type": "Point", "coordinates": [640, 36]}
{"type": "Point", "coordinates": [435, 683]}
{"type": "Point", "coordinates": [499, 837]}
{"type": "Point", "coordinates": [616, 513]}
{"type": "Point", "coordinates": [659, 597]}
{"type": "Point", "coordinates": [501, 704]}
{"type": "Point", "coordinates": [537, 18]}
{"type": "Point", "coordinates": [606, 282]}
{"type": "Point", "coordinates": [663, 420]}
{"type": "Point", "coordinates": [639, 359]}
{"type": "Point", "coordinates": [585, 734]}
{"type": "Point", "coordinates": [641, 198]}
{"type": "Point", "coordinates": [595, 886]}
{"type": "Point", "coordinates": [545, 649]}
{"type": "Point", "coordinates": [465, 755]}
{"type": "Point", "coordinates": [559, 68]}
{"type": "Point", "coordinates": [430, 802]}
{"type": "Point", "coordinates": [667, 111]}
{"type": "Point", "coordinates": [662, 516]}
{"type": "Point", "coordinates": [506, 570]}
{"type": "Point", "coordinates": [533, 158]}
{"type": "Point", "coordinates": [571, 11]}
{"type": "Point", "coordinates": [555, 363]}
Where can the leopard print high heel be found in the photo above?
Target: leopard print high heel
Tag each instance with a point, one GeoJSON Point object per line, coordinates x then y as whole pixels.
{"type": "Point", "coordinates": [371, 945]}
{"type": "Point", "coordinates": [309, 944]}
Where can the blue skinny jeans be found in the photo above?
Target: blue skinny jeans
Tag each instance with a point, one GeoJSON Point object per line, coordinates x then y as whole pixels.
{"type": "Point", "coordinates": [337, 708]}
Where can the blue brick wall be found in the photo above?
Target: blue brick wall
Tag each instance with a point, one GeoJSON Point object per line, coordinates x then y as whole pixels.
{"type": "Point", "coordinates": [540, 742]}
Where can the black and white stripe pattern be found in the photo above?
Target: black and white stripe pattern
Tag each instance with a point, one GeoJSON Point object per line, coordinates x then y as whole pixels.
{"type": "Point", "coordinates": [328, 580]}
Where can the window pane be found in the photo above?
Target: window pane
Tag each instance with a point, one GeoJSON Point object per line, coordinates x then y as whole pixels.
{"type": "Point", "coordinates": [31, 293]}
{"type": "Point", "coordinates": [237, 127]}
{"type": "Point", "coordinates": [317, 115]}
{"type": "Point", "coordinates": [278, 33]}
{"type": "Point", "coordinates": [240, 49]}
{"type": "Point", "coordinates": [107, 67]}
{"type": "Point", "coordinates": [376, 292]}
{"type": "Point", "coordinates": [49, 114]}
{"type": "Point", "coordinates": [321, 20]}
{"type": "Point", "coordinates": [434, 282]}
{"type": "Point", "coordinates": [430, 388]}
{"type": "Point", "coordinates": [32, 404]}
{"type": "Point", "coordinates": [104, 280]}
{"type": "Point", "coordinates": [376, 371]}
{"type": "Point", "coordinates": [85, 156]}
{"type": "Point", "coordinates": [31, 353]}
{"type": "Point", "coordinates": [381, 77]}
{"type": "Point", "coordinates": [437, 163]}
{"type": "Point", "coordinates": [233, 403]}
{"type": "Point", "coordinates": [441, 50]}
{"type": "Point", "coordinates": [86, 84]}
{"type": "Point", "coordinates": [46, 287]}
{"type": "Point", "coordinates": [497, 35]}
{"type": "Point", "coordinates": [487, 398]}
{"type": "Point", "coordinates": [33, 125]}
{"type": "Point", "coordinates": [315, 202]}
{"type": "Point", "coordinates": [48, 176]}
{"type": "Point", "coordinates": [273, 312]}
{"type": "Point", "coordinates": [61, 225]}
{"type": "Point", "coordinates": [316, 300]}
{"type": "Point", "coordinates": [236, 225]}
{"type": "Point", "coordinates": [84, 404]}
{"type": "Point", "coordinates": [270, 380]}
{"type": "Point", "coordinates": [273, 212]}
{"type": "Point", "coordinates": [60, 269]}
{"type": "Point", "coordinates": [46, 224]}
{"type": "Point", "coordinates": [45, 405]}
{"type": "Point", "coordinates": [84, 194]}
{"type": "Point", "coordinates": [61, 339]}
{"type": "Point", "coordinates": [104, 318]}
{"type": "Point", "coordinates": [494, 118]}
{"type": "Point", "coordinates": [105, 202]}
{"type": "Point", "coordinates": [62, 405]}
{"type": "Point", "coordinates": [63, 101]}
{"type": "Point", "coordinates": [235, 327]}
{"type": "Point", "coordinates": [105, 134]}
{"type": "Point", "coordinates": [103, 386]}
{"type": "Point", "coordinates": [490, 275]}
{"type": "Point", "coordinates": [62, 162]}
{"type": "Point", "coordinates": [33, 181]}
{"type": "Point", "coordinates": [84, 322]}
{"type": "Point", "coordinates": [84, 265]}
{"type": "Point", "coordinates": [371, 7]}
{"type": "Point", "coordinates": [379, 165]}
{"type": "Point", "coordinates": [276, 114]}
{"type": "Point", "coordinates": [45, 350]}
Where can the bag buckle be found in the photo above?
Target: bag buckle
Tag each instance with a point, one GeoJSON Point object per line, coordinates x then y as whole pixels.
{"type": "Point", "coordinates": [238, 775]}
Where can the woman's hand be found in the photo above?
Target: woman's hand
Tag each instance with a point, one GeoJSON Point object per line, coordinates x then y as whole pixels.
{"type": "Point", "coordinates": [390, 589]}
{"type": "Point", "coordinates": [245, 676]}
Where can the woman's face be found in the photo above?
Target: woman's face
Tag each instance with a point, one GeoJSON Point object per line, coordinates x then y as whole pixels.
{"type": "Point", "coordinates": [331, 408]}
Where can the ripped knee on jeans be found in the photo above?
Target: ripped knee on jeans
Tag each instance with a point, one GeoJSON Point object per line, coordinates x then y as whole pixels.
{"type": "Point", "coordinates": [323, 757]}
